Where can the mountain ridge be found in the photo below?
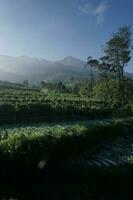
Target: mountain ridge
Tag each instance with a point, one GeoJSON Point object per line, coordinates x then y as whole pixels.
{"type": "Point", "coordinates": [17, 69]}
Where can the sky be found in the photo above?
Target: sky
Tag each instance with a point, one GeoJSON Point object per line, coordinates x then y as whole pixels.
{"type": "Point", "coordinates": [54, 29]}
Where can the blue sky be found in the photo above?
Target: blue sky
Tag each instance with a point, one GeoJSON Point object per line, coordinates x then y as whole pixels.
{"type": "Point", "coordinates": [53, 29]}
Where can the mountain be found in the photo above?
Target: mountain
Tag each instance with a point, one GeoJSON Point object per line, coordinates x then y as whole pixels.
{"type": "Point", "coordinates": [17, 69]}
{"type": "Point", "coordinates": [24, 65]}
{"type": "Point", "coordinates": [70, 61]}
{"type": "Point", "coordinates": [11, 77]}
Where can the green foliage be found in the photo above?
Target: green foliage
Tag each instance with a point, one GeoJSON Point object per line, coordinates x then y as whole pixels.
{"type": "Point", "coordinates": [56, 143]}
{"type": "Point", "coordinates": [25, 105]}
{"type": "Point", "coordinates": [106, 90]}
{"type": "Point", "coordinates": [118, 50]}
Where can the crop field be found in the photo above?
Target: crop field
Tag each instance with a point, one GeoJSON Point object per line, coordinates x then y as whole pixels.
{"type": "Point", "coordinates": [35, 106]}
{"type": "Point", "coordinates": [83, 134]}
{"type": "Point", "coordinates": [52, 136]}
{"type": "Point", "coordinates": [54, 147]}
{"type": "Point", "coordinates": [16, 97]}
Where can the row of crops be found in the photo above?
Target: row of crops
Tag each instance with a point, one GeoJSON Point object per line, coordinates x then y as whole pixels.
{"type": "Point", "coordinates": [57, 141]}
{"type": "Point", "coordinates": [54, 99]}
{"type": "Point", "coordinates": [19, 104]}
{"type": "Point", "coordinates": [43, 150]}
{"type": "Point", "coordinates": [39, 154]}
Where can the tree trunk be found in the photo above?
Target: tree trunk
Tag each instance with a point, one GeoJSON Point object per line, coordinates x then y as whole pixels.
{"type": "Point", "coordinates": [119, 78]}
{"type": "Point", "coordinates": [122, 87]}
{"type": "Point", "coordinates": [91, 79]}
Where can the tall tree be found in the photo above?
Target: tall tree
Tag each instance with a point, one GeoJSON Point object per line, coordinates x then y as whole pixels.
{"type": "Point", "coordinates": [93, 63]}
{"type": "Point", "coordinates": [117, 52]}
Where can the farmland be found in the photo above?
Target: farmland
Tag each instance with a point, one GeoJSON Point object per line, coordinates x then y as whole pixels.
{"type": "Point", "coordinates": [65, 149]}
{"type": "Point", "coordinates": [22, 104]}
{"type": "Point", "coordinates": [59, 134]}
{"type": "Point", "coordinates": [70, 130]}
{"type": "Point", "coordinates": [49, 134]}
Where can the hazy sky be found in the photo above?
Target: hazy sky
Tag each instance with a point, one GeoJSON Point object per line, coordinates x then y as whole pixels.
{"type": "Point", "coordinates": [53, 29]}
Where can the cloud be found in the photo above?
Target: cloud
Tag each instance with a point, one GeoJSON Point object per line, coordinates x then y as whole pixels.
{"type": "Point", "coordinates": [86, 8]}
{"type": "Point", "coordinates": [97, 11]}
{"type": "Point", "coordinates": [100, 19]}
